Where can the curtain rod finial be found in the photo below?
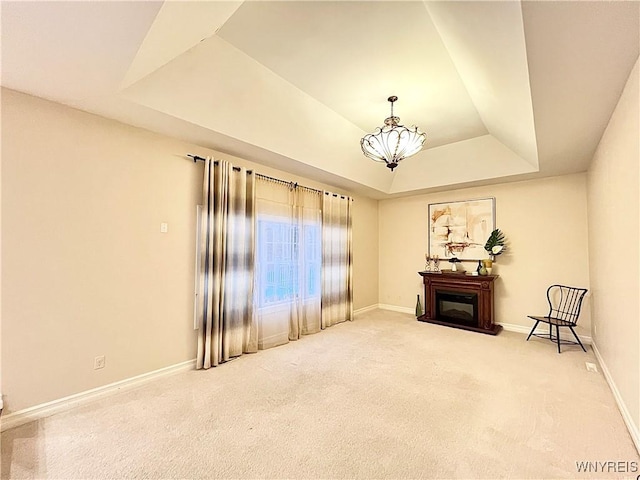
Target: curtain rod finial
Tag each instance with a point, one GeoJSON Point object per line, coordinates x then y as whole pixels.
{"type": "Point", "coordinates": [195, 157]}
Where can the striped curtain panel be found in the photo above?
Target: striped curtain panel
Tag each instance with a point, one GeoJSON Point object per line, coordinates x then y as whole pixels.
{"type": "Point", "coordinates": [226, 325]}
{"type": "Point", "coordinates": [337, 268]}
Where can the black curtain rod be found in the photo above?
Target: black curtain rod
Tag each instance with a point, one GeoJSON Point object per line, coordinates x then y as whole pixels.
{"type": "Point", "coordinates": [197, 158]}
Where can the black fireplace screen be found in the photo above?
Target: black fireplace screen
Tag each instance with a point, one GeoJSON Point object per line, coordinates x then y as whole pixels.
{"type": "Point", "coordinates": [457, 307]}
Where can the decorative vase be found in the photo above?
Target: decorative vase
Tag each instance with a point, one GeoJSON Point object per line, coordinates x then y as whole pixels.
{"type": "Point", "coordinates": [418, 307]}
{"type": "Point", "coordinates": [482, 270]}
{"type": "Point", "coordinates": [488, 264]}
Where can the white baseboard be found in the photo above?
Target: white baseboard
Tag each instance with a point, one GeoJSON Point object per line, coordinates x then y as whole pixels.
{"type": "Point", "coordinates": [365, 309]}
{"type": "Point", "coordinates": [509, 327]}
{"type": "Point", "coordinates": [395, 308]}
{"type": "Point", "coordinates": [543, 330]}
{"type": "Point", "coordinates": [47, 409]}
{"type": "Point", "coordinates": [634, 431]}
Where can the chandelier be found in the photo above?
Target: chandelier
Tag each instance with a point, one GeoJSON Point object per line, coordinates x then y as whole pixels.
{"type": "Point", "coordinates": [393, 142]}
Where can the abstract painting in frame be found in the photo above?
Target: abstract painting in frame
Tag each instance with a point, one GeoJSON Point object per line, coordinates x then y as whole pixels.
{"type": "Point", "coordinates": [461, 229]}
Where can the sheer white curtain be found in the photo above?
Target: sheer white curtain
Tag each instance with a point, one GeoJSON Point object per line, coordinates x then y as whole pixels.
{"type": "Point", "coordinates": [308, 204]}
{"type": "Point", "coordinates": [227, 326]}
{"type": "Point", "coordinates": [288, 262]}
{"type": "Point", "coordinates": [337, 258]}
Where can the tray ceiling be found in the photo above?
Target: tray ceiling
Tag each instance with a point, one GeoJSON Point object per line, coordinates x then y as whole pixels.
{"type": "Point", "coordinates": [504, 90]}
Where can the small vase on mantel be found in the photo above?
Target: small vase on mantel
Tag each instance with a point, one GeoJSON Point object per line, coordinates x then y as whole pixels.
{"type": "Point", "coordinates": [488, 265]}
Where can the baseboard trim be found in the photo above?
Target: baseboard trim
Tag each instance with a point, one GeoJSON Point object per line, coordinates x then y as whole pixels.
{"type": "Point", "coordinates": [47, 409]}
{"type": "Point", "coordinates": [510, 327]}
{"type": "Point", "coordinates": [564, 335]}
{"type": "Point", "coordinates": [634, 431]}
{"type": "Point", "coordinates": [362, 310]}
{"type": "Point", "coordinates": [394, 308]}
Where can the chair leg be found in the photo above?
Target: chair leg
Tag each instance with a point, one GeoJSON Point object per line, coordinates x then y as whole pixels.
{"type": "Point", "coordinates": [557, 336]}
{"type": "Point", "coordinates": [533, 329]}
{"type": "Point", "coordinates": [578, 339]}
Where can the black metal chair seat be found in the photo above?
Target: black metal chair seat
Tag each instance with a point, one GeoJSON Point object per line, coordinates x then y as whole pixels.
{"type": "Point", "coordinates": [564, 310]}
{"type": "Point", "coordinates": [552, 321]}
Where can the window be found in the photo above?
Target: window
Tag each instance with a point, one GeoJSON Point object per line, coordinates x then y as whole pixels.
{"type": "Point", "coordinates": [287, 267]}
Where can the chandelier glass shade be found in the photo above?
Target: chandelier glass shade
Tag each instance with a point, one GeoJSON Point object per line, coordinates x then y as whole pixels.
{"type": "Point", "coordinates": [392, 142]}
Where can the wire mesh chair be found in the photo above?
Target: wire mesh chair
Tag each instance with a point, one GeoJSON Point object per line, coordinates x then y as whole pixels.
{"type": "Point", "coordinates": [564, 310]}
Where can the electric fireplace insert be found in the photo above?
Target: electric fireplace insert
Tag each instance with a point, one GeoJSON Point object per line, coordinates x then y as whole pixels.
{"type": "Point", "coordinates": [457, 307]}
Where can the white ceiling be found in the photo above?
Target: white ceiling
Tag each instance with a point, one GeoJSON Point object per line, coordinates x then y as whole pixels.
{"type": "Point", "coordinates": [505, 90]}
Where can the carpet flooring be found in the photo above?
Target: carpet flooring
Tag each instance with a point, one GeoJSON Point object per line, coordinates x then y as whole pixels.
{"type": "Point", "coordinates": [384, 396]}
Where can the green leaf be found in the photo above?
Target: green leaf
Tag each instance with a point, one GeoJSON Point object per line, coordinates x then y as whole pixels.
{"type": "Point", "coordinates": [496, 238]}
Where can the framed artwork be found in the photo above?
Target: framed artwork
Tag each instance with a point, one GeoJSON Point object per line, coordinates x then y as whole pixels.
{"type": "Point", "coordinates": [461, 229]}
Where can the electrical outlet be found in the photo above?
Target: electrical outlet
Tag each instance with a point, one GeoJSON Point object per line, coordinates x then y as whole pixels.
{"type": "Point", "coordinates": [98, 362]}
{"type": "Point", "coordinates": [591, 367]}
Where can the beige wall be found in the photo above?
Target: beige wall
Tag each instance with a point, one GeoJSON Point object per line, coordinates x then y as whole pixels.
{"type": "Point", "coordinates": [365, 252]}
{"type": "Point", "coordinates": [85, 269]}
{"type": "Point", "coordinates": [613, 199]}
{"type": "Point", "coordinates": [544, 221]}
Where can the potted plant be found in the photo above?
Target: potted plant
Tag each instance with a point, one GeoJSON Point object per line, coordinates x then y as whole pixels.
{"type": "Point", "coordinates": [494, 246]}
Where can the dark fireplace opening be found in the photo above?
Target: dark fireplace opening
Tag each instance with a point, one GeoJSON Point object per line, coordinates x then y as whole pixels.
{"type": "Point", "coordinates": [457, 307]}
